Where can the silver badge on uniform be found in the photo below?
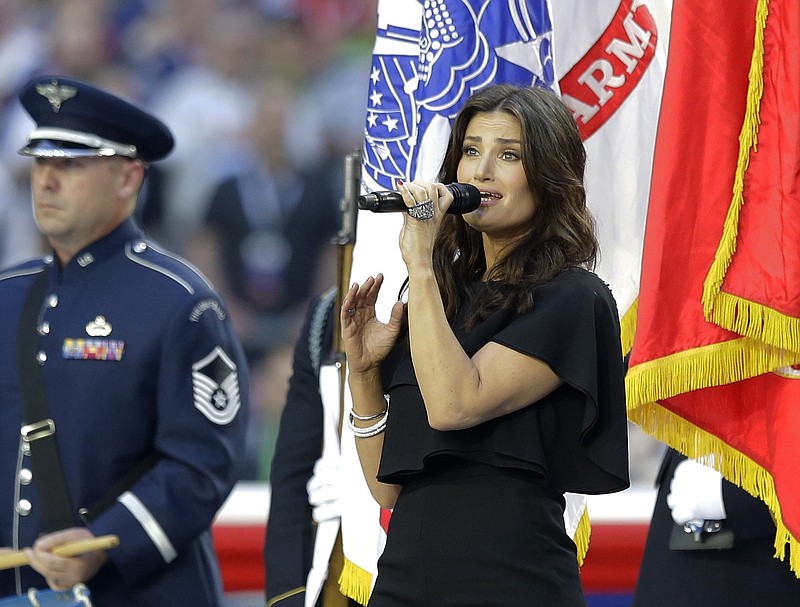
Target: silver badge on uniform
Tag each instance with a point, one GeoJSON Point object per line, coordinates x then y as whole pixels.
{"type": "Point", "coordinates": [99, 327]}
{"type": "Point", "coordinates": [215, 384]}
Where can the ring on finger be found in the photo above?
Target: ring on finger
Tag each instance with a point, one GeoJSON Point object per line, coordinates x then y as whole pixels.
{"type": "Point", "coordinates": [422, 210]}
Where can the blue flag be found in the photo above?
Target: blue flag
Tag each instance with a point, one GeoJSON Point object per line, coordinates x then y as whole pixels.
{"type": "Point", "coordinates": [429, 57]}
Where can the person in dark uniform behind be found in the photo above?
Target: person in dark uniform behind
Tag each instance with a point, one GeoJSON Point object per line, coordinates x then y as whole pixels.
{"type": "Point", "coordinates": [290, 536]}
{"type": "Point", "coordinates": [739, 572]}
{"type": "Point", "coordinates": [143, 379]}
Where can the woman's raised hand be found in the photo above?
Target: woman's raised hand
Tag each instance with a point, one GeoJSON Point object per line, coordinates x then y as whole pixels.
{"type": "Point", "coordinates": [367, 341]}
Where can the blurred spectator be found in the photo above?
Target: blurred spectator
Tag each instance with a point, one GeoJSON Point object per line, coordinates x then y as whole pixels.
{"type": "Point", "coordinates": [331, 111]}
{"type": "Point", "coordinates": [21, 53]}
{"type": "Point", "coordinates": [81, 39]}
{"type": "Point", "coordinates": [208, 103]}
{"type": "Point", "coordinates": [290, 52]}
{"type": "Point", "coordinates": [267, 227]}
{"type": "Point", "coordinates": [21, 47]}
{"type": "Point", "coordinates": [160, 37]}
{"type": "Point", "coordinates": [19, 238]}
{"type": "Point", "coordinates": [265, 241]}
{"type": "Point", "coordinates": [336, 19]}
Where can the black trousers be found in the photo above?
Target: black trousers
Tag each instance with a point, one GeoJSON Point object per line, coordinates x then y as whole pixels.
{"type": "Point", "coordinates": [476, 535]}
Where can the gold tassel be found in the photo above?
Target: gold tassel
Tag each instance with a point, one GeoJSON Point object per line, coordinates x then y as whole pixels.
{"type": "Point", "coordinates": [582, 534]}
{"type": "Point", "coordinates": [355, 582]}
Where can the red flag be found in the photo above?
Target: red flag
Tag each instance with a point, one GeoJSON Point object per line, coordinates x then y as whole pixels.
{"type": "Point", "coordinates": [719, 304]}
{"type": "Point", "coordinates": [757, 235]}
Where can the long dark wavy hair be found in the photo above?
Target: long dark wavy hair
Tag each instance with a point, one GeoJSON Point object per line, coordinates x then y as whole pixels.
{"type": "Point", "coordinates": [561, 233]}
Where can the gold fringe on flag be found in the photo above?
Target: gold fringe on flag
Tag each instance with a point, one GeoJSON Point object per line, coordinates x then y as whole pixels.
{"type": "Point", "coordinates": [582, 535]}
{"type": "Point", "coordinates": [704, 367]}
{"type": "Point", "coordinates": [745, 317]}
{"type": "Point", "coordinates": [734, 466]}
{"type": "Point", "coordinates": [627, 326]}
{"type": "Point", "coordinates": [755, 320]}
{"type": "Point", "coordinates": [355, 582]}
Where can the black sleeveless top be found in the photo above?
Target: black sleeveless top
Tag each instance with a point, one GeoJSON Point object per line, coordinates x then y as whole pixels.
{"type": "Point", "coordinates": [576, 437]}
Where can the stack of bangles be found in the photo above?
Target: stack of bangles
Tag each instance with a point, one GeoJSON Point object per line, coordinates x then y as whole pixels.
{"type": "Point", "coordinates": [373, 430]}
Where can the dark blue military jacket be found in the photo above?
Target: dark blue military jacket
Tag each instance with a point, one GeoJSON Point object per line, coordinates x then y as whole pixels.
{"type": "Point", "coordinates": [138, 357]}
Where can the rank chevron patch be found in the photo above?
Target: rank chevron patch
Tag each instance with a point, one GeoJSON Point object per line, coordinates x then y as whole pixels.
{"type": "Point", "coordinates": [215, 385]}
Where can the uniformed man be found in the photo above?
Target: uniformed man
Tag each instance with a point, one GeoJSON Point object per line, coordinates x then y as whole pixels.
{"type": "Point", "coordinates": [141, 378]}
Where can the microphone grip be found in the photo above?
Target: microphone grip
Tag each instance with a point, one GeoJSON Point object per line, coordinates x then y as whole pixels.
{"type": "Point", "coordinates": [466, 198]}
{"type": "Point", "coordinates": [382, 202]}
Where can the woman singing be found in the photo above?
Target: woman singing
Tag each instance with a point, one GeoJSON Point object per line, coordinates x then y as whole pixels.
{"type": "Point", "coordinates": [503, 371]}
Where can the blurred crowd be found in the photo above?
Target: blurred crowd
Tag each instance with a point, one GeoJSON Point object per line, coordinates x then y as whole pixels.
{"type": "Point", "coordinates": [264, 97]}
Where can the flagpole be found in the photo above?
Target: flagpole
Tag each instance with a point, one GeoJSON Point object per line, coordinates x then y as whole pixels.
{"type": "Point", "coordinates": [345, 241]}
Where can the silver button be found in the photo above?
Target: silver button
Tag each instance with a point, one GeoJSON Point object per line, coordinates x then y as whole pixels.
{"type": "Point", "coordinates": [44, 328]}
{"type": "Point", "coordinates": [139, 246]}
{"type": "Point", "coordinates": [52, 300]}
{"type": "Point", "coordinates": [25, 476]}
{"type": "Point", "coordinates": [48, 259]}
{"type": "Point", "coordinates": [41, 357]}
{"type": "Point", "coordinates": [26, 449]}
{"type": "Point", "coordinates": [24, 507]}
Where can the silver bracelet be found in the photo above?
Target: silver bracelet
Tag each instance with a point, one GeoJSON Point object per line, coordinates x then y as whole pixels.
{"type": "Point", "coordinates": [366, 418]}
{"type": "Point", "coordinates": [369, 431]}
{"type": "Point", "coordinates": [369, 418]}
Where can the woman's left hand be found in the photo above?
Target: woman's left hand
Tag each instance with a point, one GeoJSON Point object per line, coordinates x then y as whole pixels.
{"type": "Point", "coordinates": [367, 341]}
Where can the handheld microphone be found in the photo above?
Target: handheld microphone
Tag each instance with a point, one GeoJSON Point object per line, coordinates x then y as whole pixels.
{"type": "Point", "coordinates": [466, 198]}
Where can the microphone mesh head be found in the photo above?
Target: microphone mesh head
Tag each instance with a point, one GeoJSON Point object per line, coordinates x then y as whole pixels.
{"type": "Point", "coordinates": [466, 198]}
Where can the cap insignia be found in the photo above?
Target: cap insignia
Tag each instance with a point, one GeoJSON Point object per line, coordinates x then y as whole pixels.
{"type": "Point", "coordinates": [56, 93]}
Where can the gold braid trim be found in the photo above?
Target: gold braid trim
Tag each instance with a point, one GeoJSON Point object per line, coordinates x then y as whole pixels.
{"type": "Point", "coordinates": [285, 595]}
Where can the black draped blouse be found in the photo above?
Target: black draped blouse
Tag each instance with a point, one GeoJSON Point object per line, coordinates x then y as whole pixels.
{"type": "Point", "coordinates": [576, 437]}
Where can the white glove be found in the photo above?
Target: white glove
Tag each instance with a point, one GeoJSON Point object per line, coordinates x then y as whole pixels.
{"type": "Point", "coordinates": [695, 493]}
{"type": "Point", "coordinates": [324, 491]}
